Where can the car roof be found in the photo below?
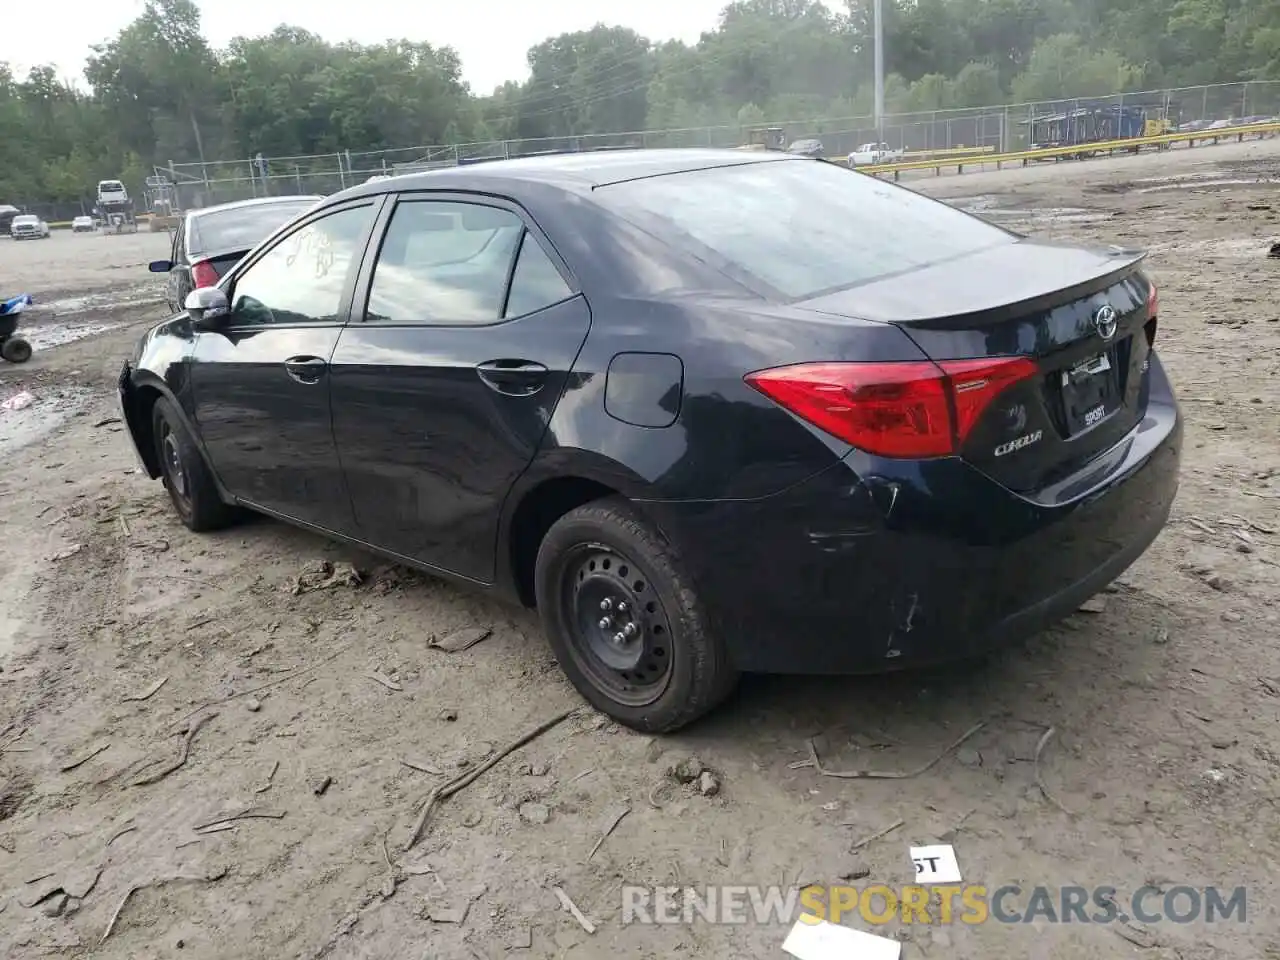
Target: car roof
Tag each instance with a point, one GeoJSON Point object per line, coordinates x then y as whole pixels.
{"type": "Point", "coordinates": [256, 202]}
{"type": "Point", "coordinates": [571, 171]}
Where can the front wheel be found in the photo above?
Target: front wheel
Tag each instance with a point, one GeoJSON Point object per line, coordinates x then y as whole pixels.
{"type": "Point", "coordinates": [624, 620]}
{"type": "Point", "coordinates": [16, 350]}
{"type": "Point", "coordinates": [186, 476]}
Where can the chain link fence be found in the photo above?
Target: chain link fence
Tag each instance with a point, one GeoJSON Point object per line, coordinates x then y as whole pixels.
{"type": "Point", "coordinates": [1001, 128]}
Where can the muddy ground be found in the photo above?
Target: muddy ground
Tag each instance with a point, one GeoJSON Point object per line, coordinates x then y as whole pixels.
{"type": "Point", "coordinates": [117, 626]}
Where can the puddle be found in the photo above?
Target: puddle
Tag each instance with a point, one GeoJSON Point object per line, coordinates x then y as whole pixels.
{"type": "Point", "coordinates": [987, 206]}
{"type": "Point", "coordinates": [978, 204]}
{"type": "Point", "coordinates": [51, 408]}
{"type": "Point", "coordinates": [60, 334]}
{"type": "Point", "coordinates": [1195, 181]}
{"type": "Point", "coordinates": [131, 297]}
{"type": "Point", "coordinates": [1245, 249]}
{"type": "Point", "coordinates": [58, 322]}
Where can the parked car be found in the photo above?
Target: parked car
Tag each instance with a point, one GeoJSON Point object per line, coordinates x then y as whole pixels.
{"type": "Point", "coordinates": [82, 225]}
{"type": "Point", "coordinates": [7, 213]}
{"type": "Point", "coordinates": [27, 226]}
{"type": "Point", "coordinates": [210, 241]}
{"type": "Point", "coordinates": [807, 148]}
{"type": "Point", "coordinates": [698, 437]}
{"type": "Point", "coordinates": [870, 153]}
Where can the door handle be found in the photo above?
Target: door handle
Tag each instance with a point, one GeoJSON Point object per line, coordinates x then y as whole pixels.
{"type": "Point", "coordinates": [306, 369]}
{"type": "Point", "coordinates": [516, 378]}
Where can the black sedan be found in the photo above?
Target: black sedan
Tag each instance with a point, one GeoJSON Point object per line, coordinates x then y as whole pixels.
{"type": "Point", "coordinates": [211, 240]}
{"type": "Point", "coordinates": [709, 412]}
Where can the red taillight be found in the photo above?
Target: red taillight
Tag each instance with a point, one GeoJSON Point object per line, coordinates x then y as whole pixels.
{"type": "Point", "coordinates": [203, 275]}
{"type": "Point", "coordinates": [915, 409]}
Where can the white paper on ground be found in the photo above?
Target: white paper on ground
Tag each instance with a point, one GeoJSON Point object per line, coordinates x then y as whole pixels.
{"type": "Point", "coordinates": [810, 940]}
{"type": "Point", "coordinates": [936, 864]}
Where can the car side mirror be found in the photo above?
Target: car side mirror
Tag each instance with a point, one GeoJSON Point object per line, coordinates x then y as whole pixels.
{"type": "Point", "coordinates": [207, 307]}
{"type": "Point", "coordinates": [160, 266]}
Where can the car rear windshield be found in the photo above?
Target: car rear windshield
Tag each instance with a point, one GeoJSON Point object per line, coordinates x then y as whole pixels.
{"type": "Point", "coordinates": [241, 228]}
{"type": "Point", "coordinates": [800, 228]}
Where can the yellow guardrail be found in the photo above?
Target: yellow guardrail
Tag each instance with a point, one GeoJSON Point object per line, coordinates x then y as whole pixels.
{"type": "Point", "coordinates": [1131, 144]}
{"type": "Point", "coordinates": [945, 152]}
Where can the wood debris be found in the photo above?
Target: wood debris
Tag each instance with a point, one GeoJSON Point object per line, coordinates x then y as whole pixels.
{"type": "Point", "coordinates": [111, 924]}
{"type": "Point", "coordinates": [814, 762]}
{"type": "Point", "coordinates": [571, 908]}
{"type": "Point", "coordinates": [1044, 789]}
{"type": "Point", "coordinates": [421, 767]}
{"type": "Point", "coordinates": [615, 818]}
{"type": "Point", "coordinates": [146, 694]}
{"type": "Point", "coordinates": [246, 815]}
{"type": "Point", "coordinates": [120, 833]}
{"type": "Point", "coordinates": [444, 791]}
{"type": "Point", "coordinates": [385, 681]}
{"type": "Point", "coordinates": [263, 686]}
{"type": "Point", "coordinates": [460, 640]}
{"type": "Point", "coordinates": [68, 767]}
{"type": "Point", "coordinates": [877, 835]}
{"type": "Point", "coordinates": [177, 764]}
{"type": "Point", "coordinates": [326, 575]}
{"type": "Point", "coordinates": [270, 777]}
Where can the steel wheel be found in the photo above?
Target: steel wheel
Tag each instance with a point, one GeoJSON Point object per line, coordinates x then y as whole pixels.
{"type": "Point", "coordinates": [619, 632]}
{"type": "Point", "coordinates": [171, 463]}
{"type": "Point", "coordinates": [187, 479]}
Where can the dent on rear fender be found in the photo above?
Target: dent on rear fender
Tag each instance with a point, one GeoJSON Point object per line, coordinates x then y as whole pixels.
{"type": "Point", "coordinates": [867, 506]}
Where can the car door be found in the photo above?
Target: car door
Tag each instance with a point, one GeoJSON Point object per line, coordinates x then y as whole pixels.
{"type": "Point", "coordinates": [446, 378]}
{"type": "Point", "coordinates": [261, 380]}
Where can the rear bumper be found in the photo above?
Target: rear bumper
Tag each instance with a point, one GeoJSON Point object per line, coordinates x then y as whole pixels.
{"type": "Point", "coordinates": [875, 565]}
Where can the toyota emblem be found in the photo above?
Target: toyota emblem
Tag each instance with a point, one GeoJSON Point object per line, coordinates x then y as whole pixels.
{"type": "Point", "coordinates": [1105, 321]}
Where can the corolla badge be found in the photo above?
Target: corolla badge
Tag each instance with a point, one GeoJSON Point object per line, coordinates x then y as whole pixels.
{"type": "Point", "coordinates": [1105, 321]}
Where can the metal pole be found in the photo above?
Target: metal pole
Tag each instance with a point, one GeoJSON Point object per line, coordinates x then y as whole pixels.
{"type": "Point", "coordinates": [877, 15]}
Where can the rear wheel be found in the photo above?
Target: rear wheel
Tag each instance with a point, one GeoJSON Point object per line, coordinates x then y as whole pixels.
{"type": "Point", "coordinates": [624, 620]}
{"type": "Point", "coordinates": [16, 350]}
{"type": "Point", "coordinates": [185, 474]}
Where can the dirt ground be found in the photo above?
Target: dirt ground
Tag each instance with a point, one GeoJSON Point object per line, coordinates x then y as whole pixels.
{"type": "Point", "coordinates": [119, 630]}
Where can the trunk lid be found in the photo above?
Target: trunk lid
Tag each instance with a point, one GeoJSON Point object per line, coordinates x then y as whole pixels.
{"type": "Point", "coordinates": [1039, 300]}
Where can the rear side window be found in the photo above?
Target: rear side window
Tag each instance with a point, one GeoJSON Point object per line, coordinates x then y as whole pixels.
{"type": "Point", "coordinates": [800, 228]}
{"type": "Point", "coordinates": [445, 263]}
{"type": "Point", "coordinates": [536, 282]}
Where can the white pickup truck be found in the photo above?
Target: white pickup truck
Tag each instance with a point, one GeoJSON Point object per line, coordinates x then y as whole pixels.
{"type": "Point", "coordinates": [870, 153]}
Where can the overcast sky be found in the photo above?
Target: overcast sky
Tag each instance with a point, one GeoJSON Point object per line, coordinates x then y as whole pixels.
{"type": "Point", "coordinates": [491, 36]}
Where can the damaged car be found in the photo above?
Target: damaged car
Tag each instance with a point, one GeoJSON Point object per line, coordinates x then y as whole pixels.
{"type": "Point", "coordinates": [699, 438]}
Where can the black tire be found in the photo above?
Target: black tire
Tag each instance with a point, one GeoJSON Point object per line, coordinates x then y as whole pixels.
{"type": "Point", "coordinates": [672, 668]}
{"type": "Point", "coordinates": [185, 474]}
{"type": "Point", "coordinates": [16, 350]}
